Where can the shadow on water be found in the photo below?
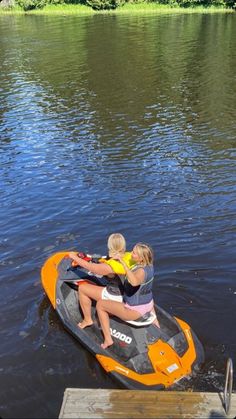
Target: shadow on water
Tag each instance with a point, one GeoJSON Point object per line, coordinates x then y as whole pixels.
{"type": "Point", "coordinates": [215, 415]}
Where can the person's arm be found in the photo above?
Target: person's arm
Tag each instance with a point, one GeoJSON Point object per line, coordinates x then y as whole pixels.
{"type": "Point", "coordinates": [96, 268]}
{"type": "Point", "coordinates": [134, 278]}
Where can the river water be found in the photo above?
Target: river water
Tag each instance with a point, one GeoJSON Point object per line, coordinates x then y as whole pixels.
{"type": "Point", "coordinates": [114, 124]}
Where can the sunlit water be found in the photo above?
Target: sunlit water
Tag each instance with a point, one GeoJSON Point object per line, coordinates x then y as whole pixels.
{"type": "Point", "coordinates": [114, 124]}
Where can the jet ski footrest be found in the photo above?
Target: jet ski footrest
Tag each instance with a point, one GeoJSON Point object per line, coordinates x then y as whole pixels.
{"type": "Point", "coordinates": [146, 319]}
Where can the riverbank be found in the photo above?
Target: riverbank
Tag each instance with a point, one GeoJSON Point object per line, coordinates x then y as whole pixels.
{"type": "Point", "coordinates": [141, 8]}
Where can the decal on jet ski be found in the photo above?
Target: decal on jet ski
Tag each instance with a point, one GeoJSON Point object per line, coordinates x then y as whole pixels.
{"type": "Point", "coordinates": [122, 369]}
{"type": "Point", "coordinates": [121, 336]}
{"type": "Point", "coordinates": [172, 368]}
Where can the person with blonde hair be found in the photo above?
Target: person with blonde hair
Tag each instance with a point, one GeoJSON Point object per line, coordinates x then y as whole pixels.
{"type": "Point", "coordinates": [116, 244]}
{"type": "Point", "coordinates": [137, 297]}
{"type": "Point", "coordinates": [111, 268]}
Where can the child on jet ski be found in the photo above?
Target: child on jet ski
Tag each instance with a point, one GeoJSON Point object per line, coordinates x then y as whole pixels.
{"type": "Point", "coordinates": [137, 298]}
{"type": "Point", "coordinates": [111, 268]}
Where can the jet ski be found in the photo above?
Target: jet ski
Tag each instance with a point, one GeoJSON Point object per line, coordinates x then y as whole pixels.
{"type": "Point", "coordinates": [143, 356]}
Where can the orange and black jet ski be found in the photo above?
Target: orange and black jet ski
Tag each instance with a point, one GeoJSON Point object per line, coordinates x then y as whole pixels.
{"type": "Point", "coordinates": [143, 355]}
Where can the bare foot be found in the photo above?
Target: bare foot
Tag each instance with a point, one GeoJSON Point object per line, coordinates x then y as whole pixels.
{"type": "Point", "coordinates": [107, 343]}
{"type": "Point", "coordinates": [85, 323]}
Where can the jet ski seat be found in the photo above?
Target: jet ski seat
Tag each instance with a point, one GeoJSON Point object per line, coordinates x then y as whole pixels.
{"type": "Point", "coordinates": [146, 319]}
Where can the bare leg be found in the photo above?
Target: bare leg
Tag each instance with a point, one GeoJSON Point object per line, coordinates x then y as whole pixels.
{"type": "Point", "coordinates": [87, 293]}
{"type": "Point", "coordinates": [156, 322]}
{"type": "Point", "coordinates": [104, 308]}
{"type": "Point", "coordinates": [105, 323]}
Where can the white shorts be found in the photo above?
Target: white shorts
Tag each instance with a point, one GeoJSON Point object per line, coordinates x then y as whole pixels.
{"type": "Point", "coordinates": [107, 296]}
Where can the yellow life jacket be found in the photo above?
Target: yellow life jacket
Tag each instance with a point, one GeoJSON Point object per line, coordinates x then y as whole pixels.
{"type": "Point", "coordinates": [116, 265]}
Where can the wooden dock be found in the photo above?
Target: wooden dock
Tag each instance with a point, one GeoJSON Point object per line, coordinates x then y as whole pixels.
{"type": "Point", "coordinates": [100, 403]}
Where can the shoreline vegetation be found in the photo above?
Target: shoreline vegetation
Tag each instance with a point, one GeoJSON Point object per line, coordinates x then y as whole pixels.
{"type": "Point", "coordinates": [127, 8]}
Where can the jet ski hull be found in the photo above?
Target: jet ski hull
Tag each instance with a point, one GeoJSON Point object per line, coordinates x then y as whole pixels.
{"type": "Point", "coordinates": [145, 357]}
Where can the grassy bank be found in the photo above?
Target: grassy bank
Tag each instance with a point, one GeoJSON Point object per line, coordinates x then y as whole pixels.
{"type": "Point", "coordinates": [162, 8]}
{"type": "Point", "coordinates": [128, 8]}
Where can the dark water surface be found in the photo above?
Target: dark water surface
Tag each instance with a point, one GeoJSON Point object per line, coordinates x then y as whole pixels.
{"type": "Point", "coordinates": [114, 124]}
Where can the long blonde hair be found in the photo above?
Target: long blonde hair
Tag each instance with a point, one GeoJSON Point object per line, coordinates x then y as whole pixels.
{"type": "Point", "coordinates": [145, 253]}
{"type": "Point", "coordinates": [116, 244]}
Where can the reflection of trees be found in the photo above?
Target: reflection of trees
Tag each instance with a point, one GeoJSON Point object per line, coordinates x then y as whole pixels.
{"type": "Point", "coordinates": [160, 71]}
{"type": "Point", "coordinates": [206, 82]}
{"type": "Point", "coordinates": [50, 53]}
{"type": "Point", "coordinates": [117, 74]}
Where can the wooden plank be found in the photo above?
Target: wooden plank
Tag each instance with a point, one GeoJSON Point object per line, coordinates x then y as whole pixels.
{"type": "Point", "coordinates": [100, 403]}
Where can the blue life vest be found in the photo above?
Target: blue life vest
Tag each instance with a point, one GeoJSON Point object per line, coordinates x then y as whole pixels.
{"type": "Point", "coordinates": [140, 294]}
